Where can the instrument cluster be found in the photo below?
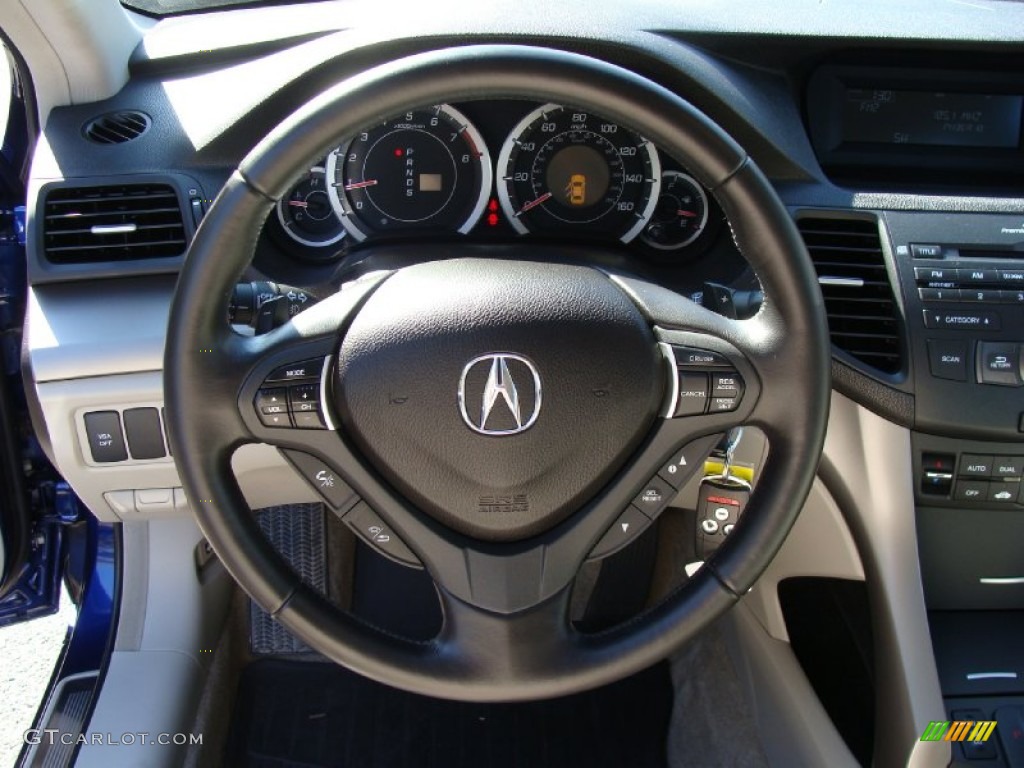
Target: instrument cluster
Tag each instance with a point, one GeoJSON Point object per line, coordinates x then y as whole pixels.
{"type": "Point", "coordinates": [558, 171]}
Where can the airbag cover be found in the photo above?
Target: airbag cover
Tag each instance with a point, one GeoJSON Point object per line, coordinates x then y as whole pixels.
{"type": "Point", "coordinates": [412, 347]}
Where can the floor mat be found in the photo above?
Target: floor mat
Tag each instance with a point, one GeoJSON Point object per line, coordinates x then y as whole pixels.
{"type": "Point", "coordinates": [313, 715]}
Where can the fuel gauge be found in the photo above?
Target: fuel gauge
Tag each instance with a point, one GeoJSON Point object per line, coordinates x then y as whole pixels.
{"type": "Point", "coordinates": [306, 213]}
{"type": "Point", "coordinates": [681, 213]}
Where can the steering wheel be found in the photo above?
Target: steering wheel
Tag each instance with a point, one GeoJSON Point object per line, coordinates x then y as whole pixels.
{"type": "Point", "coordinates": [590, 357]}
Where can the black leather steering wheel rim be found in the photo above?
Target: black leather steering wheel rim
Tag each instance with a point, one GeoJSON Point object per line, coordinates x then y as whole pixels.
{"type": "Point", "coordinates": [486, 654]}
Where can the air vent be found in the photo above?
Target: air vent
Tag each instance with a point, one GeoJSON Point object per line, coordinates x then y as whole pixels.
{"type": "Point", "coordinates": [863, 318]}
{"type": "Point", "coordinates": [85, 225]}
{"type": "Point", "coordinates": [117, 127]}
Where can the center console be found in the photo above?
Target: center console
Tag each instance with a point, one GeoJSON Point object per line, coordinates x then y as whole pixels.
{"type": "Point", "coordinates": [962, 281]}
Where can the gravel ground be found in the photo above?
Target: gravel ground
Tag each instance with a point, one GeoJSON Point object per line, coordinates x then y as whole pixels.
{"type": "Point", "coordinates": [28, 653]}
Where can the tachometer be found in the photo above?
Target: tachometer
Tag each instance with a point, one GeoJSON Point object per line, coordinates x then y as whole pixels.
{"type": "Point", "coordinates": [564, 168]}
{"type": "Point", "coordinates": [425, 170]}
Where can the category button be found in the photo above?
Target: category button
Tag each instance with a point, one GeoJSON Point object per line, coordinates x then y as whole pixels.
{"type": "Point", "coordinates": [947, 320]}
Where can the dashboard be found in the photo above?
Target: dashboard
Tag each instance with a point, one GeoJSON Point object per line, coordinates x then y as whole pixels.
{"type": "Point", "coordinates": [499, 171]}
{"type": "Point", "coordinates": [901, 163]}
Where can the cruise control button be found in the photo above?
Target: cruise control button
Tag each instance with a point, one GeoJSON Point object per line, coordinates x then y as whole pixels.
{"type": "Point", "coordinates": [627, 527]}
{"type": "Point", "coordinates": [701, 358]}
{"type": "Point", "coordinates": [368, 525]}
{"type": "Point", "coordinates": [307, 369]}
{"type": "Point", "coordinates": [325, 480]}
{"type": "Point", "coordinates": [972, 490]}
{"type": "Point", "coordinates": [693, 394]}
{"type": "Point", "coordinates": [722, 404]}
{"type": "Point", "coordinates": [726, 384]}
{"type": "Point", "coordinates": [655, 496]}
{"type": "Point", "coordinates": [304, 398]}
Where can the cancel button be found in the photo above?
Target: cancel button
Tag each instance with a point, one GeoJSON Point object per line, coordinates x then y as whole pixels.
{"type": "Point", "coordinates": [947, 359]}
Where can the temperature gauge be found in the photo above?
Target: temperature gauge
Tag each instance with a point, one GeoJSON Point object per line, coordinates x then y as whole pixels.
{"type": "Point", "coordinates": [681, 213]}
{"type": "Point", "coordinates": [306, 213]}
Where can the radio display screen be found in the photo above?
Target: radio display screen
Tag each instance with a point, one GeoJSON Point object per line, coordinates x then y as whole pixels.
{"type": "Point", "coordinates": [931, 118]}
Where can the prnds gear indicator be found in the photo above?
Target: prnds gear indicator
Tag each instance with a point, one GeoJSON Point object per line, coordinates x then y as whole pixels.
{"type": "Point", "coordinates": [563, 166]}
{"type": "Point", "coordinates": [424, 170]}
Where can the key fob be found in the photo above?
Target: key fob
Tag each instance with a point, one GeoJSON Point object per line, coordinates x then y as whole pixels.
{"type": "Point", "coordinates": [719, 505]}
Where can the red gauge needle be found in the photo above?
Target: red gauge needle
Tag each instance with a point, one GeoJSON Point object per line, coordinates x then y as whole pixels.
{"type": "Point", "coordinates": [534, 203]}
{"type": "Point", "coordinates": [360, 184]}
{"type": "Point", "coordinates": [298, 203]}
{"type": "Point", "coordinates": [687, 214]}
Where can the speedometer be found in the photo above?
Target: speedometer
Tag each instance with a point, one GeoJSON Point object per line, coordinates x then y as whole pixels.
{"type": "Point", "coordinates": [562, 168]}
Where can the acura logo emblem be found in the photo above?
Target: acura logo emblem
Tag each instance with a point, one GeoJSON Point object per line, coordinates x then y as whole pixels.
{"type": "Point", "coordinates": [499, 394]}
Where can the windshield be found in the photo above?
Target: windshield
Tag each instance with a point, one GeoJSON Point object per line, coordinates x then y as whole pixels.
{"type": "Point", "coordinates": [173, 7]}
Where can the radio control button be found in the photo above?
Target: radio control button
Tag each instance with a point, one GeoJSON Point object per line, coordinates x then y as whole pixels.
{"type": "Point", "coordinates": [998, 363]}
{"type": "Point", "coordinates": [970, 277]}
{"type": "Point", "coordinates": [1011, 277]}
{"type": "Point", "coordinates": [978, 295]}
{"type": "Point", "coordinates": [925, 251]}
{"type": "Point", "coordinates": [930, 274]}
{"type": "Point", "coordinates": [951, 319]}
{"type": "Point", "coordinates": [1011, 297]}
{"type": "Point", "coordinates": [947, 359]}
{"type": "Point", "coordinates": [939, 294]}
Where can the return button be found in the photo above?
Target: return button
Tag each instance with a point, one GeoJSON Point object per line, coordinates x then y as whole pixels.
{"type": "Point", "coordinates": [950, 320]}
